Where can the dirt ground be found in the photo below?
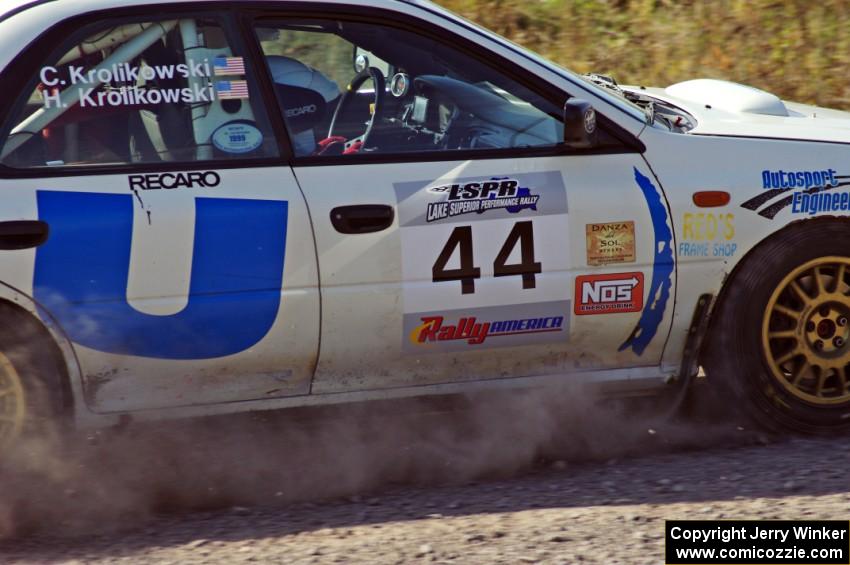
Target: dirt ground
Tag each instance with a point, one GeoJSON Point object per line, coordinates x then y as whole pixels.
{"type": "Point", "coordinates": [394, 493]}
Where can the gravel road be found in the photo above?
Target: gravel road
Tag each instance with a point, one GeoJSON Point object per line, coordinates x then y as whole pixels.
{"type": "Point", "coordinates": [591, 507]}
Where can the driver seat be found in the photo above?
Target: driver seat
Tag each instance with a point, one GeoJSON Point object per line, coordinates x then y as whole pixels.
{"type": "Point", "coordinates": [305, 95]}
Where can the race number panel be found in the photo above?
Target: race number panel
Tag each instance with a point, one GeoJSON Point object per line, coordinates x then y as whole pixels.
{"type": "Point", "coordinates": [479, 250]}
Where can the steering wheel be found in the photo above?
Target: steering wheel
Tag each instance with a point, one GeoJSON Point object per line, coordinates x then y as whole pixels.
{"type": "Point", "coordinates": [350, 91]}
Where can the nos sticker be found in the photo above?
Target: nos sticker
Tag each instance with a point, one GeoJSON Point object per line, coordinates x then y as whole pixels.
{"type": "Point", "coordinates": [609, 294]}
{"type": "Point", "coordinates": [237, 138]}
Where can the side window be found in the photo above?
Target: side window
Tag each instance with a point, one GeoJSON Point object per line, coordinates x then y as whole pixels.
{"type": "Point", "coordinates": [154, 91]}
{"type": "Point", "coordinates": [349, 87]}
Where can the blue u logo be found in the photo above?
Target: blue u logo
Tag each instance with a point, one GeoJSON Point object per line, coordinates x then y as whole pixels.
{"type": "Point", "coordinates": [81, 276]}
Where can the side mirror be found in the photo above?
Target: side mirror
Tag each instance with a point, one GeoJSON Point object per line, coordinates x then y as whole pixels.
{"type": "Point", "coordinates": [579, 124]}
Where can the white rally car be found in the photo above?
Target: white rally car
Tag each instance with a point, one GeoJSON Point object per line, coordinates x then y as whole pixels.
{"type": "Point", "coordinates": [212, 206]}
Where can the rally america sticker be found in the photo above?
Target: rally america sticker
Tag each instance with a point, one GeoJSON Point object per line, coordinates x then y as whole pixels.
{"type": "Point", "coordinates": [493, 326]}
{"type": "Point", "coordinates": [609, 294]}
{"type": "Point", "coordinates": [612, 242]}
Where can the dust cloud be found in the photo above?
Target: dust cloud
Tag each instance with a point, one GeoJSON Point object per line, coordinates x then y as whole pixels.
{"type": "Point", "coordinates": [107, 480]}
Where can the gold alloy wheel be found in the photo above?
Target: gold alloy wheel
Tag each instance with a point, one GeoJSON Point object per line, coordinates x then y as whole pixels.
{"type": "Point", "coordinates": [806, 331]}
{"type": "Point", "coordinates": [12, 402]}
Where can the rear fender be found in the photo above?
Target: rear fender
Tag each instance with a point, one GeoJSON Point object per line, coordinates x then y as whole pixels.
{"type": "Point", "coordinates": [72, 381]}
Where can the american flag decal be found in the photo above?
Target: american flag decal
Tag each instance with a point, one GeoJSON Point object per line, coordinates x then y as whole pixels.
{"type": "Point", "coordinates": [228, 66]}
{"type": "Point", "coordinates": [231, 89]}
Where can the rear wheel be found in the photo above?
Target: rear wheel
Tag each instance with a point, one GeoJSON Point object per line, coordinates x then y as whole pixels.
{"type": "Point", "coordinates": [13, 403]}
{"type": "Point", "coordinates": [30, 379]}
{"type": "Point", "coordinates": [780, 342]}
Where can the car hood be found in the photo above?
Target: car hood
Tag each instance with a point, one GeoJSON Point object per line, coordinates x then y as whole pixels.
{"type": "Point", "coordinates": [732, 109]}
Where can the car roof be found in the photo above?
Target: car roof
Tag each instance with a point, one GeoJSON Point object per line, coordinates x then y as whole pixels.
{"type": "Point", "coordinates": [10, 7]}
{"type": "Point", "coordinates": [23, 20]}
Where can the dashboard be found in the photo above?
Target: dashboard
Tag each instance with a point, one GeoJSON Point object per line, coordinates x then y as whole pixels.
{"type": "Point", "coordinates": [432, 112]}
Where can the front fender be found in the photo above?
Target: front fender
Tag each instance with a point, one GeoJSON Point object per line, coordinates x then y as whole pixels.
{"type": "Point", "coordinates": [712, 242]}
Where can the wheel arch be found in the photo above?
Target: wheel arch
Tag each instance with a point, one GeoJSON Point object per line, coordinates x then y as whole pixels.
{"type": "Point", "coordinates": [729, 279]}
{"type": "Point", "coordinates": [34, 320]}
{"type": "Point", "coordinates": [739, 362]}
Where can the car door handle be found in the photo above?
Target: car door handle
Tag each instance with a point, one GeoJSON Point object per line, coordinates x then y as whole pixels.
{"type": "Point", "coordinates": [362, 218]}
{"type": "Point", "coordinates": [22, 234]}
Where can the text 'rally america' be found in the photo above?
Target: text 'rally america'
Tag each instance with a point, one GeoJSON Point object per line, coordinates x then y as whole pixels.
{"type": "Point", "coordinates": [474, 332]}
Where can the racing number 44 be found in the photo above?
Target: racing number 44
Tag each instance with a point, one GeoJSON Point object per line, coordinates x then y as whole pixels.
{"type": "Point", "coordinates": [461, 238]}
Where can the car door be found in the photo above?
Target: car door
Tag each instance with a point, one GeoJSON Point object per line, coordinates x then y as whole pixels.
{"type": "Point", "coordinates": [457, 238]}
{"type": "Point", "coordinates": [179, 260]}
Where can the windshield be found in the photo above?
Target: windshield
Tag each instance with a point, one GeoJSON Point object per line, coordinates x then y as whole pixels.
{"type": "Point", "coordinates": [599, 91]}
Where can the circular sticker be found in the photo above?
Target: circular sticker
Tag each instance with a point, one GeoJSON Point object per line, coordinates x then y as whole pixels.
{"type": "Point", "coordinates": [590, 120]}
{"type": "Point", "coordinates": [361, 63]}
{"type": "Point", "coordinates": [237, 137]}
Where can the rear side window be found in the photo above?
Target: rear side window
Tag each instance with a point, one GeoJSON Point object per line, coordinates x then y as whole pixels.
{"type": "Point", "coordinates": [140, 92]}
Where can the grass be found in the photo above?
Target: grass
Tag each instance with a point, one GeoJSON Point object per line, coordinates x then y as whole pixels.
{"type": "Point", "coordinates": [797, 49]}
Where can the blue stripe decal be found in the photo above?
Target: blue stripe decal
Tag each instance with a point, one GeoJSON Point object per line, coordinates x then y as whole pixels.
{"type": "Point", "coordinates": [662, 270]}
{"type": "Point", "coordinates": [81, 276]}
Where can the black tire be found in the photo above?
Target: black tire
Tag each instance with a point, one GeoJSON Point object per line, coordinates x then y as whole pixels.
{"type": "Point", "coordinates": [750, 331]}
{"type": "Point", "coordinates": [29, 361]}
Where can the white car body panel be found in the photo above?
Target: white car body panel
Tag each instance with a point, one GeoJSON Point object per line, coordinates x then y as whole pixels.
{"type": "Point", "coordinates": [389, 273]}
{"type": "Point", "coordinates": [689, 163]}
{"type": "Point", "coordinates": [281, 364]}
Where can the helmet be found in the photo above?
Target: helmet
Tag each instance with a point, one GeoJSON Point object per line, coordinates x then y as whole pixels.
{"type": "Point", "coordinates": [305, 95]}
